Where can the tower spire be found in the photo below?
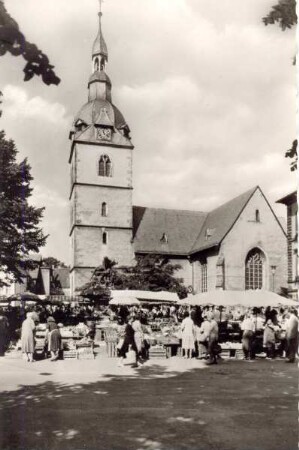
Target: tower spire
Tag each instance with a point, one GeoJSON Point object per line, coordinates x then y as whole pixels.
{"type": "Point", "coordinates": [99, 49]}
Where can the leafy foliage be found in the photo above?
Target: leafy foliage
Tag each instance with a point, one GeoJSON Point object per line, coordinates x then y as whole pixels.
{"type": "Point", "coordinates": [15, 43]}
{"type": "Point", "coordinates": [283, 13]}
{"type": "Point", "coordinates": [151, 273]}
{"type": "Point", "coordinates": [19, 231]}
{"type": "Point", "coordinates": [292, 153]}
{"type": "Point", "coordinates": [50, 261]}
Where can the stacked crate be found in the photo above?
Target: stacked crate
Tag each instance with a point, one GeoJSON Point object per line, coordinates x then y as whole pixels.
{"type": "Point", "coordinates": [85, 353]}
{"type": "Point", "coordinates": [157, 351]}
{"type": "Point", "coordinates": [111, 338]}
{"type": "Point", "coordinates": [70, 354]}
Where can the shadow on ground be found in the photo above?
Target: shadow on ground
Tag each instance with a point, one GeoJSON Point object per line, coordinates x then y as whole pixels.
{"type": "Point", "coordinates": [232, 406]}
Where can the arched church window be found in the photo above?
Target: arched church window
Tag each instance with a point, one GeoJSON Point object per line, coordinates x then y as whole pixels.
{"type": "Point", "coordinates": [96, 64]}
{"type": "Point", "coordinates": [254, 269]}
{"type": "Point", "coordinates": [104, 210]}
{"type": "Point", "coordinates": [102, 63]}
{"type": "Point", "coordinates": [105, 166]}
{"type": "Point", "coordinates": [105, 238]}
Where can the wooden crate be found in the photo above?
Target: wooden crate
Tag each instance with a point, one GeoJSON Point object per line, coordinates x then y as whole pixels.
{"type": "Point", "coordinates": [111, 349]}
{"type": "Point", "coordinates": [239, 354]}
{"type": "Point", "coordinates": [70, 354]}
{"type": "Point", "coordinates": [85, 353]}
{"type": "Point", "coordinates": [226, 353]}
{"type": "Point", "coordinates": [157, 351]}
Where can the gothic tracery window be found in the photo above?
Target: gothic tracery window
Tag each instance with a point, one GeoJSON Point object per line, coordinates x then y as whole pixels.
{"type": "Point", "coordinates": [105, 166]}
{"type": "Point", "coordinates": [254, 268]}
{"type": "Point", "coordinates": [204, 277]}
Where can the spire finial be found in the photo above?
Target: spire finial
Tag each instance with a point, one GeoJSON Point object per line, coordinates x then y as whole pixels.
{"type": "Point", "coordinates": [100, 4]}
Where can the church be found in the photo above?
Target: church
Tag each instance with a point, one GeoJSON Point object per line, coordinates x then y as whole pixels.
{"type": "Point", "coordinates": [239, 245]}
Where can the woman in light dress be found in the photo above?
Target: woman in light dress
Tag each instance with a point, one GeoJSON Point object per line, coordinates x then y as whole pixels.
{"type": "Point", "coordinates": [27, 337]}
{"type": "Point", "coordinates": [188, 336]}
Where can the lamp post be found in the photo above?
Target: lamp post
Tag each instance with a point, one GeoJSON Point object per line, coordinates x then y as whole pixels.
{"type": "Point", "coordinates": [273, 270]}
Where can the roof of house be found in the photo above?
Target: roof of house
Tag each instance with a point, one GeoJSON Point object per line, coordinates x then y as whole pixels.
{"type": "Point", "coordinates": [180, 232]}
{"type": "Point", "coordinates": [288, 199]}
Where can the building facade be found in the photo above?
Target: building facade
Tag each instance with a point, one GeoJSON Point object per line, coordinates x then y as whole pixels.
{"type": "Point", "coordinates": [239, 245]}
{"type": "Point", "coordinates": [292, 233]}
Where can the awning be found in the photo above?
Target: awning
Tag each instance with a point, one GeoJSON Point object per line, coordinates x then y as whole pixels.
{"type": "Point", "coordinates": [250, 298]}
{"type": "Point", "coordinates": [147, 296]}
{"type": "Point", "coordinates": [130, 301]}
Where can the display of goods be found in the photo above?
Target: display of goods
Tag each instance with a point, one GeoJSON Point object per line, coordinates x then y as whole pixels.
{"type": "Point", "coordinates": [65, 333]}
{"type": "Point", "coordinates": [69, 345]}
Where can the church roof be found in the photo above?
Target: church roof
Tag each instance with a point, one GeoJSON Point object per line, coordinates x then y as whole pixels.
{"type": "Point", "coordinates": [90, 112]}
{"type": "Point", "coordinates": [165, 231]}
{"type": "Point", "coordinates": [99, 76]}
{"type": "Point", "coordinates": [180, 232]}
{"type": "Point", "coordinates": [219, 221]}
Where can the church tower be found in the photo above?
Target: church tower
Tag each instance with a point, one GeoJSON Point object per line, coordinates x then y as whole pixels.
{"type": "Point", "coordinates": [101, 177]}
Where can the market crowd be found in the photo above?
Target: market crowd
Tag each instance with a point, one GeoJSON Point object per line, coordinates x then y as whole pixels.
{"type": "Point", "coordinates": [200, 329]}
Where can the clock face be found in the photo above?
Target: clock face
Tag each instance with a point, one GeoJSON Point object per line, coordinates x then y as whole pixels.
{"type": "Point", "coordinates": [104, 134]}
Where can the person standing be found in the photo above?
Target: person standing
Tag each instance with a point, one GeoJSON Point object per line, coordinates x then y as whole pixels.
{"type": "Point", "coordinates": [27, 337]}
{"type": "Point", "coordinates": [188, 335]}
{"type": "Point", "coordinates": [202, 335]}
{"type": "Point", "coordinates": [269, 338]}
{"type": "Point", "coordinates": [138, 336]}
{"type": "Point", "coordinates": [3, 333]}
{"type": "Point", "coordinates": [128, 343]}
{"type": "Point", "coordinates": [292, 336]}
{"type": "Point", "coordinates": [213, 334]}
{"type": "Point", "coordinates": [248, 328]}
{"type": "Point", "coordinates": [53, 338]}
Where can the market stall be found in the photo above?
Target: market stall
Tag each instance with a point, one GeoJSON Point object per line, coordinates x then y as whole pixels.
{"type": "Point", "coordinates": [75, 341]}
{"type": "Point", "coordinates": [230, 333]}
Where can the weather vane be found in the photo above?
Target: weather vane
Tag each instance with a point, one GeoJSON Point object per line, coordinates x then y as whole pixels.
{"type": "Point", "coordinates": [101, 2]}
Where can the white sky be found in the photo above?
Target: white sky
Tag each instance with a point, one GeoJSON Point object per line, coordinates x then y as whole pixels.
{"type": "Point", "coordinates": [207, 90]}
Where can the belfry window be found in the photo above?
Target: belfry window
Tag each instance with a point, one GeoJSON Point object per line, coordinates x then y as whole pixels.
{"type": "Point", "coordinates": [96, 64]}
{"type": "Point", "coordinates": [104, 210]}
{"type": "Point", "coordinates": [105, 166]}
{"type": "Point", "coordinates": [254, 269]}
{"type": "Point", "coordinates": [105, 238]}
